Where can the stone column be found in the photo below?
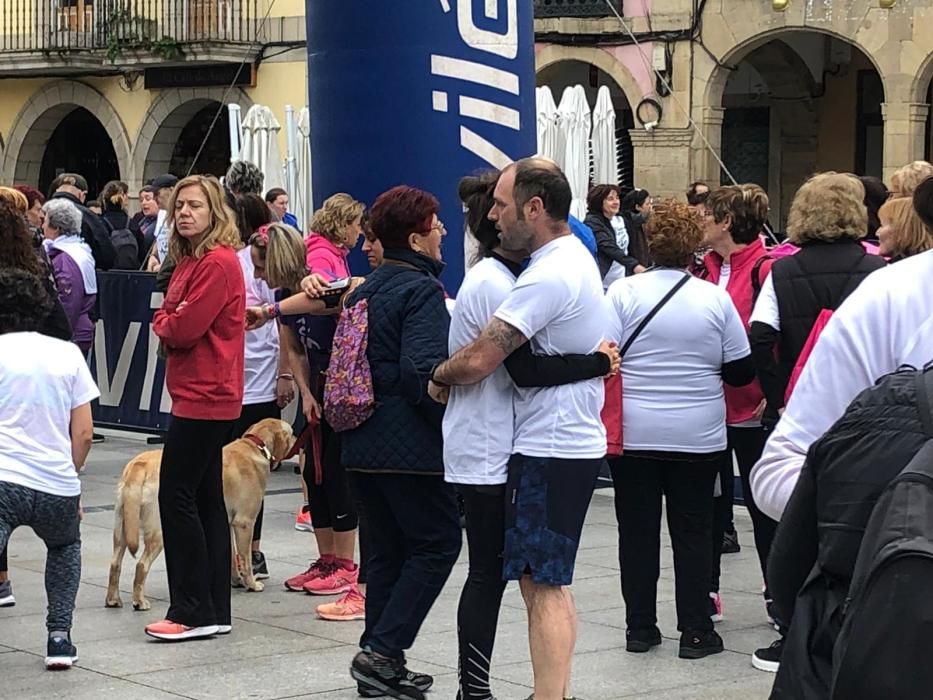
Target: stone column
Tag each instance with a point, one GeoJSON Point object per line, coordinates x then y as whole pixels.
{"type": "Point", "coordinates": [662, 160]}
{"type": "Point", "coordinates": [904, 134]}
{"type": "Point", "coordinates": [705, 167]}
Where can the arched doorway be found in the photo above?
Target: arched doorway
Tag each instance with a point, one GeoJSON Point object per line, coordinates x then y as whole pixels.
{"type": "Point", "coordinates": [214, 158]}
{"type": "Point", "coordinates": [80, 144]}
{"type": "Point", "coordinates": [566, 73]}
{"type": "Point", "coordinates": [798, 103]}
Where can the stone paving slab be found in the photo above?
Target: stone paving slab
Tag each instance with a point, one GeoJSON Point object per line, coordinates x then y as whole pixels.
{"type": "Point", "coordinates": [279, 649]}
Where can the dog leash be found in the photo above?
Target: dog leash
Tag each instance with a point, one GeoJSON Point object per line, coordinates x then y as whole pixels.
{"type": "Point", "coordinates": [313, 431]}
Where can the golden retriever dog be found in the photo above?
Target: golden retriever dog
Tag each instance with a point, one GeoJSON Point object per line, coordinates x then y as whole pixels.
{"type": "Point", "coordinates": [246, 465]}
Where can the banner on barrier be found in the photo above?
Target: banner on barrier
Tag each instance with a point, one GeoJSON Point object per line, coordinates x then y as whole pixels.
{"type": "Point", "coordinates": [124, 360]}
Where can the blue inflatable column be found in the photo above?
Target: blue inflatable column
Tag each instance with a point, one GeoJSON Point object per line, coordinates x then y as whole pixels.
{"type": "Point", "coordinates": [419, 92]}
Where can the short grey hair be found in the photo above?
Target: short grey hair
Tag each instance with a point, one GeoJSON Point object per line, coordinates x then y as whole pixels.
{"type": "Point", "coordinates": [62, 215]}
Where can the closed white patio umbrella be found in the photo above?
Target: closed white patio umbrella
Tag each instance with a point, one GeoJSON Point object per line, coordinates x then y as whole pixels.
{"type": "Point", "coordinates": [261, 145]}
{"type": "Point", "coordinates": [302, 200]}
{"type": "Point", "coordinates": [575, 125]}
{"type": "Point", "coordinates": [605, 156]}
{"type": "Point", "coordinates": [548, 135]}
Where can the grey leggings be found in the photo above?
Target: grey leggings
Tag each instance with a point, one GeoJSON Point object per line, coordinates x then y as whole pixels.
{"type": "Point", "coordinates": [55, 520]}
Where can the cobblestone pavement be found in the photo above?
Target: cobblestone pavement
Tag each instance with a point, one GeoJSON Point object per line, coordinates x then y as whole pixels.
{"type": "Point", "coordinates": [279, 649]}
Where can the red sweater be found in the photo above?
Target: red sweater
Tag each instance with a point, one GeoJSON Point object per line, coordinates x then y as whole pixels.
{"type": "Point", "coordinates": [204, 340]}
{"type": "Point", "coordinates": [741, 401]}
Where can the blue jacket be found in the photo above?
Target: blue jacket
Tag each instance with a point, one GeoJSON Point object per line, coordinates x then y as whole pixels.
{"type": "Point", "coordinates": [408, 326]}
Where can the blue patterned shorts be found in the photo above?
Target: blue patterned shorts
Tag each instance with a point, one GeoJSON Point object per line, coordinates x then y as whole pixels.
{"type": "Point", "coordinates": [546, 504]}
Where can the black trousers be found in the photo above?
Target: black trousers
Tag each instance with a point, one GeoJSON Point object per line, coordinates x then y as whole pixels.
{"type": "Point", "coordinates": [481, 598]}
{"type": "Point", "coordinates": [363, 527]}
{"type": "Point", "coordinates": [686, 483]}
{"type": "Point", "coordinates": [194, 522]}
{"type": "Point", "coordinates": [748, 444]}
{"type": "Point", "coordinates": [415, 537]}
{"type": "Point", "coordinates": [722, 515]}
{"type": "Point", "coordinates": [251, 414]}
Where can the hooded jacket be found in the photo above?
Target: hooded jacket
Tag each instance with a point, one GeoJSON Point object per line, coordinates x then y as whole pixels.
{"type": "Point", "coordinates": [326, 258]}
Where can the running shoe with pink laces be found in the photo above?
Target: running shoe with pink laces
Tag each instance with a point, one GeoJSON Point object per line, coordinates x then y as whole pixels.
{"type": "Point", "coordinates": [335, 580]}
{"type": "Point", "coordinates": [318, 568]}
{"type": "Point", "coordinates": [351, 607]}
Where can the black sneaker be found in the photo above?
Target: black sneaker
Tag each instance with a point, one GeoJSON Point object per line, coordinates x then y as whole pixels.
{"type": "Point", "coordinates": [61, 654]}
{"type": "Point", "coordinates": [696, 645]}
{"type": "Point", "coordinates": [422, 681]}
{"type": "Point", "coordinates": [6, 595]}
{"type": "Point", "coordinates": [386, 676]}
{"type": "Point", "coordinates": [769, 658]}
{"type": "Point", "coordinates": [639, 641]}
{"type": "Point", "coordinates": [260, 570]}
{"type": "Point", "coordinates": [730, 543]}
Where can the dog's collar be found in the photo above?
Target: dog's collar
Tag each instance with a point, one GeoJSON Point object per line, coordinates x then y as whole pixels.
{"type": "Point", "coordinates": [261, 446]}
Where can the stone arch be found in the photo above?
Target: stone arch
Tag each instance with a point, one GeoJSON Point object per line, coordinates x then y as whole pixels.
{"type": "Point", "coordinates": [553, 53]}
{"type": "Point", "coordinates": [38, 118]}
{"type": "Point", "coordinates": [716, 83]}
{"type": "Point", "coordinates": [169, 113]}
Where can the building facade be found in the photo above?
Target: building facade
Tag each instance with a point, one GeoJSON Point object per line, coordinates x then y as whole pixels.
{"type": "Point", "coordinates": [129, 88]}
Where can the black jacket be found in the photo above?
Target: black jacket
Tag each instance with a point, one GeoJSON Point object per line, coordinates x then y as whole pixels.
{"type": "Point", "coordinates": [815, 548]}
{"type": "Point", "coordinates": [408, 326]}
{"type": "Point", "coordinates": [607, 247]}
{"type": "Point", "coordinates": [820, 276]}
{"type": "Point", "coordinates": [95, 230]}
{"type": "Point", "coordinates": [637, 243]}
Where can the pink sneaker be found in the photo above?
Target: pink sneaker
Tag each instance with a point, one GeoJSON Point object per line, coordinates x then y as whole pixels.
{"type": "Point", "coordinates": [169, 631]}
{"type": "Point", "coordinates": [351, 607]}
{"type": "Point", "coordinates": [715, 607]}
{"type": "Point", "coordinates": [335, 580]}
{"type": "Point", "coordinates": [317, 569]}
{"type": "Point", "coordinates": [303, 521]}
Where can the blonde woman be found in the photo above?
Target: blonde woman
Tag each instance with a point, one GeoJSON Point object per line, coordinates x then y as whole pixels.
{"type": "Point", "coordinates": [902, 233]}
{"type": "Point", "coordinates": [279, 258]}
{"type": "Point", "coordinates": [335, 230]}
{"type": "Point", "coordinates": [200, 325]}
{"type": "Point", "coordinates": [828, 220]}
{"type": "Point", "coordinates": [905, 180]}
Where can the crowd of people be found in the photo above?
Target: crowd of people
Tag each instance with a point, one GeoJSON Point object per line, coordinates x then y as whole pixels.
{"type": "Point", "coordinates": [664, 342]}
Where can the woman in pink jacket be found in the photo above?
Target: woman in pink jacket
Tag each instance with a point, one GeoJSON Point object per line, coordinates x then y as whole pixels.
{"type": "Point", "coordinates": [739, 263]}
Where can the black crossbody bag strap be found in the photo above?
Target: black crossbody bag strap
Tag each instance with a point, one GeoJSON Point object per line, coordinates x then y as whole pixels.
{"type": "Point", "coordinates": [654, 312]}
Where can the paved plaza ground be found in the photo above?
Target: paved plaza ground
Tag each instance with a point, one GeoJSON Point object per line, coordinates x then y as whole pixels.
{"type": "Point", "coordinates": [278, 649]}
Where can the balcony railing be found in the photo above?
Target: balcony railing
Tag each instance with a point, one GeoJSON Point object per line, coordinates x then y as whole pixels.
{"type": "Point", "coordinates": [575, 8]}
{"type": "Point", "coordinates": [161, 26]}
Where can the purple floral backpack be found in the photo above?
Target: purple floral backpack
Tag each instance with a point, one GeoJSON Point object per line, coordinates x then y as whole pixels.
{"type": "Point", "coordinates": [349, 399]}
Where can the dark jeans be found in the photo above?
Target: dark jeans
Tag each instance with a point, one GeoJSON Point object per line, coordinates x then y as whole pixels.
{"type": "Point", "coordinates": [251, 414]}
{"type": "Point", "coordinates": [748, 444]}
{"type": "Point", "coordinates": [481, 598]}
{"type": "Point", "coordinates": [194, 522]}
{"type": "Point", "coordinates": [414, 532]}
{"type": "Point", "coordinates": [686, 484]}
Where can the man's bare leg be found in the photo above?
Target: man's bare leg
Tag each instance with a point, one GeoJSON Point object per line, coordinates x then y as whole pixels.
{"type": "Point", "coordinates": [573, 606]}
{"type": "Point", "coordinates": [551, 636]}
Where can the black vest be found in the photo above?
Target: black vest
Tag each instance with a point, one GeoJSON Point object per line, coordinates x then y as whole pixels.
{"type": "Point", "coordinates": [818, 277]}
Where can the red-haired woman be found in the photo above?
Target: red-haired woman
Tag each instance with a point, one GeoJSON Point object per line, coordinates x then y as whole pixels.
{"type": "Point", "coordinates": [396, 457]}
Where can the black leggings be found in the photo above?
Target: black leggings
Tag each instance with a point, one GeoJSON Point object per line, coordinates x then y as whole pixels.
{"type": "Point", "coordinates": [4, 566]}
{"type": "Point", "coordinates": [481, 598]}
{"type": "Point", "coordinates": [748, 444]}
{"type": "Point", "coordinates": [194, 522]}
{"type": "Point", "coordinates": [251, 414]}
{"type": "Point", "coordinates": [331, 504]}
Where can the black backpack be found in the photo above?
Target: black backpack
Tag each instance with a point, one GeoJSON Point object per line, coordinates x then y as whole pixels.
{"type": "Point", "coordinates": [127, 250]}
{"type": "Point", "coordinates": [883, 646]}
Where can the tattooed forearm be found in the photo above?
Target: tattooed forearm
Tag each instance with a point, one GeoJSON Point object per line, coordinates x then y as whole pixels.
{"type": "Point", "coordinates": [480, 358]}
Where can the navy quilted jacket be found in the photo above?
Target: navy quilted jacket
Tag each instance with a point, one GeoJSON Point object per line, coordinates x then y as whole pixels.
{"type": "Point", "coordinates": [408, 325]}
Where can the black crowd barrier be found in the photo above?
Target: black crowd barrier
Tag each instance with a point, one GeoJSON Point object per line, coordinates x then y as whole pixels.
{"type": "Point", "coordinates": [124, 360]}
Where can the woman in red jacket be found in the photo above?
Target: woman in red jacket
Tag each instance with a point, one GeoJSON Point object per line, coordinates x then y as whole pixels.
{"type": "Point", "coordinates": [739, 263]}
{"type": "Point", "coordinates": [201, 328]}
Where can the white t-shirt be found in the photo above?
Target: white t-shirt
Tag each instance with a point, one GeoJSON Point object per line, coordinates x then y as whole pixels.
{"type": "Point", "coordinates": [766, 307]}
{"type": "Point", "coordinates": [672, 390]}
{"type": "Point", "coordinates": [885, 323]}
{"type": "Point", "coordinates": [261, 363]}
{"type": "Point", "coordinates": [42, 380]}
{"type": "Point", "coordinates": [478, 419]}
{"type": "Point", "coordinates": [725, 272]}
{"type": "Point", "coordinates": [558, 303]}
